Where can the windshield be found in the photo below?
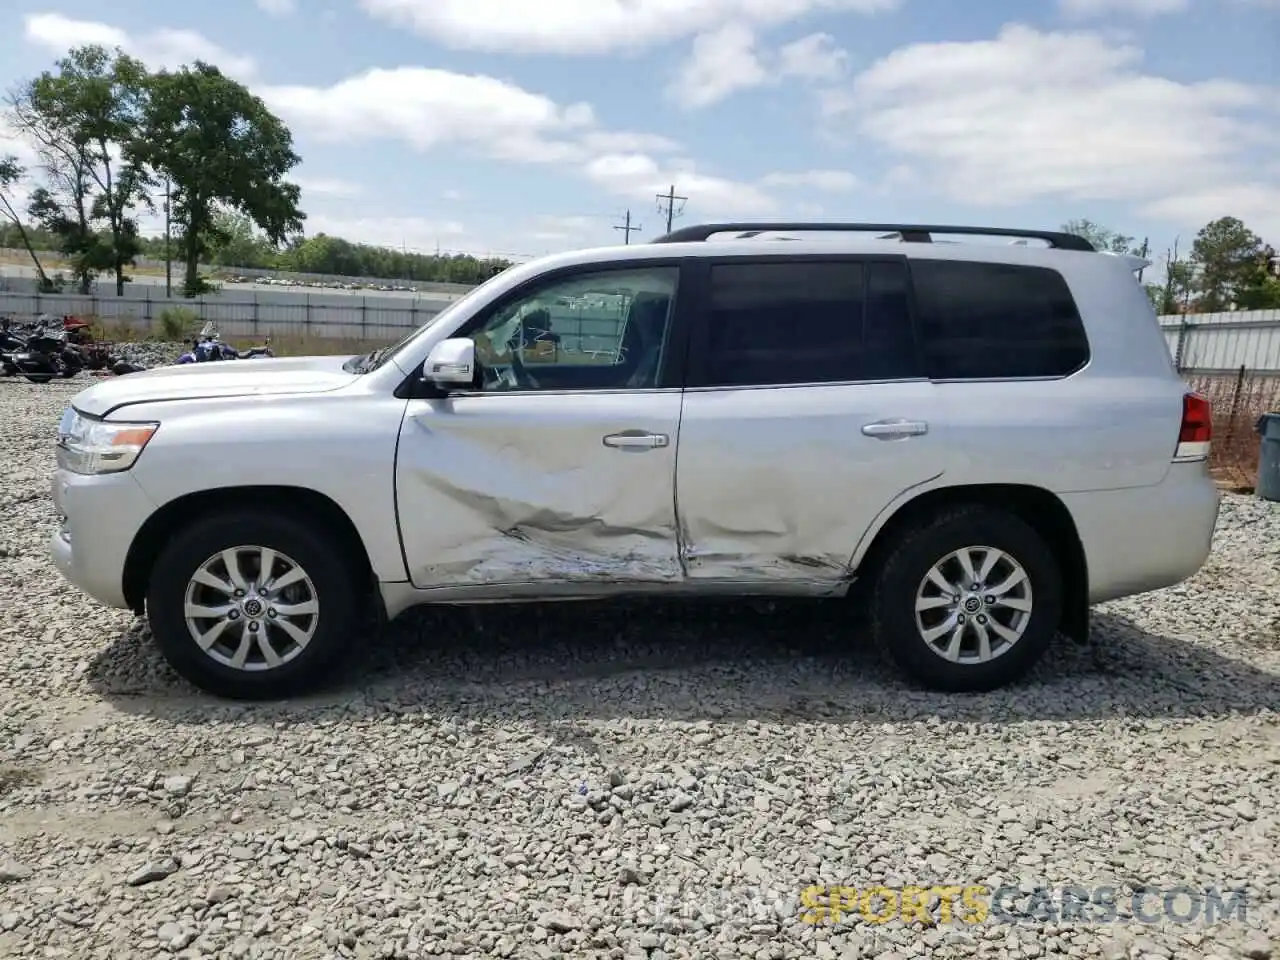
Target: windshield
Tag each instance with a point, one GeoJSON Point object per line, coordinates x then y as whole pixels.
{"type": "Point", "coordinates": [377, 358]}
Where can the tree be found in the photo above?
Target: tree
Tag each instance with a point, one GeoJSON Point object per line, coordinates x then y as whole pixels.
{"type": "Point", "coordinates": [75, 237]}
{"type": "Point", "coordinates": [238, 243]}
{"type": "Point", "coordinates": [1101, 237]}
{"type": "Point", "coordinates": [1260, 287]}
{"type": "Point", "coordinates": [219, 145]}
{"type": "Point", "coordinates": [12, 174]}
{"type": "Point", "coordinates": [83, 118]}
{"type": "Point", "coordinates": [1225, 254]}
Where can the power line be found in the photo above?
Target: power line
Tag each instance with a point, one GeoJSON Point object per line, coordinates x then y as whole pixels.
{"type": "Point", "coordinates": [628, 229]}
{"type": "Point", "coordinates": [667, 205]}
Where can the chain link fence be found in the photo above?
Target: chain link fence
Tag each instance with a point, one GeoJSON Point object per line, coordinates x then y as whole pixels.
{"type": "Point", "coordinates": [1234, 360]}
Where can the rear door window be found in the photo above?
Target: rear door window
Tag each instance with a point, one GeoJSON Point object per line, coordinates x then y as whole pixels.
{"type": "Point", "coordinates": [996, 321]}
{"type": "Point", "coordinates": [783, 322]}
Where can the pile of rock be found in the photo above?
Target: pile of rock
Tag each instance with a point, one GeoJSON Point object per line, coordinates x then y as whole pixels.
{"type": "Point", "coordinates": [149, 353]}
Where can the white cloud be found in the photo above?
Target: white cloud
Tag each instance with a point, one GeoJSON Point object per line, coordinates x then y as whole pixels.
{"type": "Point", "coordinates": [1068, 116]}
{"type": "Point", "coordinates": [832, 181]}
{"type": "Point", "coordinates": [328, 187]}
{"type": "Point", "coordinates": [278, 8]}
{"type": "Point", "coordinates": [426, 108]}
{"type": "Point", "coordinates": [158, 49]}
{"type": "Point", "coordinates": [1257, 204]}
{"type": "Point", "coordinates": [592, 27]}
{"type": "Point", "coordinates": [1141, 8]}
{"type": "Point", "coordinates": [720, 63]}
{"type": "Point", "coordinates": [641, 178]}
{"type": "Point", "coordinates": [727, 60]}
{"type": "Point", "coordinates": [815, 57]}
{"type": "Point", "coordinates": [13, 144]}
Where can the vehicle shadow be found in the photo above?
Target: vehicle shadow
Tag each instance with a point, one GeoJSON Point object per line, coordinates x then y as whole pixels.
{"type": "Point", "coordinates": [773, 662]}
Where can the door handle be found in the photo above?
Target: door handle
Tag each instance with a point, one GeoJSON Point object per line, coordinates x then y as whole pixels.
{"type": "Point", "coordinates": [635, 440]}
{"type": "Point", "coordinates": [895, 429]}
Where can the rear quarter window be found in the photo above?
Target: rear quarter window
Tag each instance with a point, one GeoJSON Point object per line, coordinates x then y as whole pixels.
{"type": "Point", "coordinates": [996, 321]}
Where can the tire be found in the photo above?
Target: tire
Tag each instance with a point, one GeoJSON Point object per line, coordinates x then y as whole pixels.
{"type": "Point", "coordinates": [39, 377]}
{"type": "Point", "coordinates": [901, 581]}
{"type": "Point", "coordinates": [328, 578]}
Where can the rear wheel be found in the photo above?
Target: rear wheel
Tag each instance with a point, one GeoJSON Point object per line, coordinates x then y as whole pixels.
{"type": "Point", "coordinates": [39, 377]}
{"type": "Point", "coordinates": [253, 605]}
{"type": "Point", "coordinates": [968, 601]}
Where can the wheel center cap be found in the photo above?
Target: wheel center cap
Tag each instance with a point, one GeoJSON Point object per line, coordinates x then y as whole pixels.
{"type": "Point", "coordinates": [973, 605]}
{"type": "Point", "coordinates": [253, 607]}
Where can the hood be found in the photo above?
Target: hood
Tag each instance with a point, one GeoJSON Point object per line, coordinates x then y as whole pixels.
{"type": "Point", "coordinates": [269, 376]}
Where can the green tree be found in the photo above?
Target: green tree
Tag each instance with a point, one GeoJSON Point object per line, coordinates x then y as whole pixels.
{"type": "Point", "coordinates": [75, 237]}
{"type": "Point", "coordinates": [1260, 287]}
{"type": "Point", "coordinates": [84, 116]}
{"type": "Point", "coordinates": [219, 145]}
{"type": "Point", "coordinates": [1101, 237]}
{"type": "Point", "coordinates": [236, 242]}
{"type": "Point", "coordinates": [12, 174]}
{"type": "Point", "coordinates": [1225, 254]}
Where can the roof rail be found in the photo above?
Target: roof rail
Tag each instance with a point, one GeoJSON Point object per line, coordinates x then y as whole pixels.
{"type": "Point", "coordinates": [910, 233]}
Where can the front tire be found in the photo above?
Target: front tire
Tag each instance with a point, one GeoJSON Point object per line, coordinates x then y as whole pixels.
{"type": "Point", "coordinates": [969, 600]}
{"type": "Point", "coordinates": [252, 605]}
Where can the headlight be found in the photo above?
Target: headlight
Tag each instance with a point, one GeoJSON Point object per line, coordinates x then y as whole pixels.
{"type": "Point", "coordinates": [86, 445]}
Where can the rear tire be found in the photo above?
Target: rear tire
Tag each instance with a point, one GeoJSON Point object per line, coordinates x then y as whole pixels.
{"type": "Point", "coordinates": [299, 616]}
{"type": "Point", "coordinates": [962, 639]}
{"type": "Point", "coordinates": [39, 377]}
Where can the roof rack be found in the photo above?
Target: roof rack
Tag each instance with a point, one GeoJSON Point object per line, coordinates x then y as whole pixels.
{"type": "Point", "coordinates": [910, 233]}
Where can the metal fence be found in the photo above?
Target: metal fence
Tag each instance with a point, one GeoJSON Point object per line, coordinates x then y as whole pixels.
{"type": "Point", "coordinates": [591, 328]}
{"type": "Point", "coordinates": [240, 314]}
{"type": "Point", "coordinates": [1234, 360]}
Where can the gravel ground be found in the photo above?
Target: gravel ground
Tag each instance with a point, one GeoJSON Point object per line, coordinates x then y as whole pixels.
{"type": "Point", "coordinates": [635, 781]}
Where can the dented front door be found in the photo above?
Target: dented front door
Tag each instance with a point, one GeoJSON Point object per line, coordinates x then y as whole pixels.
{"type": "Point", "coordinates": [542, 488]}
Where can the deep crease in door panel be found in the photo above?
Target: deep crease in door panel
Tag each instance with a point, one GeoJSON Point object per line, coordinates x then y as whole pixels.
{"type": "Point", "coordinates": [511, 518]}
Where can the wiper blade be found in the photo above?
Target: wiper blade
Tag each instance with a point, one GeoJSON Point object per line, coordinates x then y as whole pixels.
{"type": "Point", "coordinates": [361, 364]}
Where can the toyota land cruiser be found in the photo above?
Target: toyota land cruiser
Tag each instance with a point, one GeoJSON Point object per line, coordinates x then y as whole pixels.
{"type": "Point", "coordinates": [973, 440]}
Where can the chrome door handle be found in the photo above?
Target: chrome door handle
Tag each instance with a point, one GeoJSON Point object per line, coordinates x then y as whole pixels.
{"type": "Point", "coordinates": [635, 440]}
{"type": "Point", "coordinates": [895, 429]}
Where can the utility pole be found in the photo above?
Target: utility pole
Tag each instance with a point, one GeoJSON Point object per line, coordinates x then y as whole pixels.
{"type": "Point", "coordinates": [1146, 246]}
{"type": "Point", "coordinates": [667, 205]}
{"type": "Point", "coordinates": [168, 259]}
{"type": "Point", "coordinates": [628, 229]}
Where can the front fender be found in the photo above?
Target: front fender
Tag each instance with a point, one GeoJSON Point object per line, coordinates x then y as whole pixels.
{"type": "Point", "coordinates": [341, 444]}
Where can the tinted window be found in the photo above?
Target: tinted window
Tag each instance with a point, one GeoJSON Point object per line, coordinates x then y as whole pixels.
{"type": "Point", "coordinates": [807, 322]}
{"type": "Point", "coordinates": [979, 320]}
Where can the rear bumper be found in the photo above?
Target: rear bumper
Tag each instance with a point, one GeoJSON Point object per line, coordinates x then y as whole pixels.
{"type": "Point", "coordinates": [100, 518]}
{"type": "Point", "coordinates": [1147, 538]}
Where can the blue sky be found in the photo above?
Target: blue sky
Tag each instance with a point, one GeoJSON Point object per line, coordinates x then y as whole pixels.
{"type": "Point", "coordinates": [518, 127]}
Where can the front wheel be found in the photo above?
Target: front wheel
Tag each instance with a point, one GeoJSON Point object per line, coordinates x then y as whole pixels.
{"type": "Point", "coordinates": [252, 605]}
{"type": "Point", "coordinates": [968, 601]}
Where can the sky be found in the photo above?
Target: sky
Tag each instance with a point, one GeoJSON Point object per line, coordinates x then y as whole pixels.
{"type": "Point", "coordinates": [523, 127]}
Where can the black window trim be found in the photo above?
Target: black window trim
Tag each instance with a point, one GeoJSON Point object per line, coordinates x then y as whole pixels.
{"type": "Point", "coordinates": [671, 374]}
{"type": "Point", "coordinates": [699, 340]}
{"type": "Point", "coordinates": [1048, 377]}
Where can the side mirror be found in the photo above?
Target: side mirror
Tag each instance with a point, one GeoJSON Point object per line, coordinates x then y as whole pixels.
{"type": "Point", "coordinates": [451, 363]}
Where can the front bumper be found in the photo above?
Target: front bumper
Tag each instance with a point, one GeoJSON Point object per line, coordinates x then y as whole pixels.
{"type": "Point", "coordinates": [101, 516]}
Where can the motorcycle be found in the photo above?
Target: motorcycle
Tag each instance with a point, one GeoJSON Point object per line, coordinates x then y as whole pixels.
{"type": "Point", "coordinates": [209, 347]}
{"type": "Point", "coordinates": [45, 355]}
{"type": "Point", "coordinates": [10, 343]}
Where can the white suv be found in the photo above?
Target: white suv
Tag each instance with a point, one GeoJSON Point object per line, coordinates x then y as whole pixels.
{"type": "Point", "coordinates": [973, 440]}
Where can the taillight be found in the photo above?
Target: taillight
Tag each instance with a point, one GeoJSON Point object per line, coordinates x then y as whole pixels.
{"type": "Point", "coordinates": [1197, 428]}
